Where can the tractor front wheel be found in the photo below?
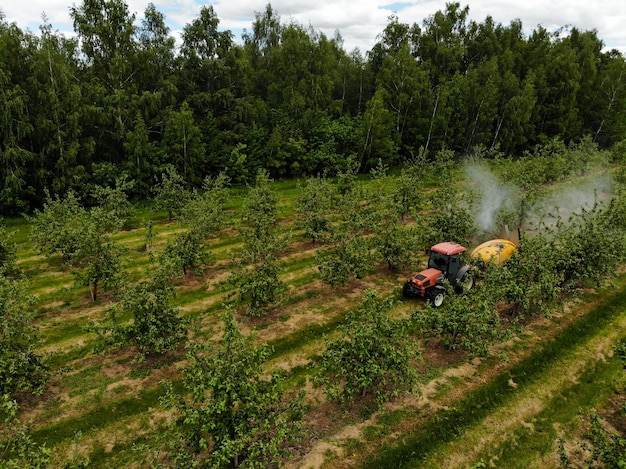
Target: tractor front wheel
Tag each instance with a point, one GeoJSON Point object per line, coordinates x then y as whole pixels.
{"type": "Point", "coordinates": [436, 298]}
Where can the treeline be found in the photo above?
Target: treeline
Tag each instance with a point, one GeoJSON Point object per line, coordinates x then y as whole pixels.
{"type": "Point", "coordinates": [122, 101]}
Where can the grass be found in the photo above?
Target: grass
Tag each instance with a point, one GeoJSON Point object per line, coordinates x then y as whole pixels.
{"type": "Point", "coordinates": [101, 416]}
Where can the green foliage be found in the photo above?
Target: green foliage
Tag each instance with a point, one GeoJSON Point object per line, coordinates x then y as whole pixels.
{"type": "Point", "coordinates": [113, 209]}
{"type": "Point", "coordinates": [314, 209]}
{"type": "Point", "coordinates": [397, 245]}
{"type": "Point", "coordinates": [259, 287]}
{"type": "Point", "coordinates": [182, 142]}
{"type": "Point", "coordinates": [17, 448]}
{"type": "Point", "coordinates": [469, 321]}
{"type": "Point", "coordinates": [156, 326]}
{"type": "Point", "coordinates": [607, 447]}
{"type": "Point", "coordinates": [21, 368]}
{"type": "Point", "coordinates": [81, 236]}
{"type": "Point", "coordinates": [58, 228]}
{"type": "Point", "coordinates": [186, 251]}
{"type": "Point", "coordinates": [374, 354]}
{"type": "Point", "coordinates": [453, 218]}
{"type": "Point", "coordinates": [350, 257]}
{"type": "Point", "coordinates": [99, 264]}
{"type": "Point", "coordinates": [257, 266]}
{"type": "Point", "coordinates": [118, 98]}
{"type": "Point", "coordinates": [8, 252]}
{"type": "Point", "coordinates": [205, 211]}
{"type": "Point", "coordinates": [171, 194]}
{"type": "Point", "coordinates": [408, 193]}
{"type": "Point", "coordinates": [231, 415]}
{"type": "Point", "coordinates": [530, 282]}
{"type": "Point", "coordinates": [592, 242]}
{"type": "Point", "coordinates": [259, 216]}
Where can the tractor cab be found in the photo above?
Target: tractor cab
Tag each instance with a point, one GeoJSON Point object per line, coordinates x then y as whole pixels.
{"type": "Point", "coordinates": [446, 257]}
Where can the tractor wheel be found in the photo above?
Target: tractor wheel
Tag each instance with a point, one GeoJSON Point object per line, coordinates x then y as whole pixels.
{"type": "Point", "coordinates": [466, 283]}
{"type": "Point", "coordinates": [436, 298]}
{"type": "Point", "coordinates": [406, 290]}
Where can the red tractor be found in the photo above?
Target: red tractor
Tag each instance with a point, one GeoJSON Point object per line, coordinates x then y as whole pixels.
{"type": "Point", "coordinates": [444, 262]}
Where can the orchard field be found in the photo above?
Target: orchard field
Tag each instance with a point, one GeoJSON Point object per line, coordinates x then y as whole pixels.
{"type": "Point", "coordinates": [264, 325]}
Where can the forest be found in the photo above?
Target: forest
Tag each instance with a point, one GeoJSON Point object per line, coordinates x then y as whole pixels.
{"type": "Point", "coordinates": [123, 100]}
{"type": "Point", "coordinates": [203, 247]}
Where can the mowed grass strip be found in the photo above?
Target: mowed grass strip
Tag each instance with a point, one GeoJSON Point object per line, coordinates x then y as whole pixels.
{"type": "Point", "coordinates": [101, 416]}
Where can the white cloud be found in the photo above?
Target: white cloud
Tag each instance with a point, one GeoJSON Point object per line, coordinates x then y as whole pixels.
{"type": "Point", "coordinates": [359, 22]}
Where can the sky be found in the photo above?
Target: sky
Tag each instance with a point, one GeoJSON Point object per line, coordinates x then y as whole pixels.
{"type": "Point", "coordinates": [359, 22]}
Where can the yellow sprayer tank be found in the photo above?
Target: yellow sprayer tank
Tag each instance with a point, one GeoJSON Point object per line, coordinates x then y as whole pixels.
{"type": "Point", "coordinates": [495, 250]}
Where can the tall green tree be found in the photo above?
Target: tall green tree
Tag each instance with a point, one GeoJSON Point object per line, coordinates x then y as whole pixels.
{"type": "Point", "coordinates": [182, 142]}
{"type": "Point", "coordinates": [16, 126]}
{"type": "Point", "coordinates": [106, 31]}
{"type": "Point", "coordinates": [63, 150]}
{"type": "Point", "coordinates": [405, 82]}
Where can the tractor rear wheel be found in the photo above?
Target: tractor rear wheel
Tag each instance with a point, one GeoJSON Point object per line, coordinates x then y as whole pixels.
{"type": "Point", "coordinates": [466, 283]}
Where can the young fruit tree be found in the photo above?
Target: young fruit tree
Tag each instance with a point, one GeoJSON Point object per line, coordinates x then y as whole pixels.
{"type": "Point", "coordinates": [21, 368]}
{"type": "Point", "coordinates": [17, 447]}
{"type": "Point", "coordinates": [374, 354]}
{"type": "Point", "coordinates": [170, 194]}
{"type": "Point", "coordinates": [8, 253]}
{"type": "Point", "coordinates": [58, 228]}
{"type": "Point", "coordinates": [187, 251]}
{"type": "Point", "coordinates": [81, 236]}
{"type": "Point", "coordinates": [257, 266]}
{"type": "Point", "coordinates": [204, 212]}
{"type": "Point", "coordinates": [156, 327]}
{"type": "Point", "coordinates": [314, 208]}
{"type": "Point", "coordinates": [469, 321]}
{"type": "Point", "coordinates": [232, 414]}
{"type": "Point", "coordinates": [98, 263]}
{"type": "Point", "coordinates": [350, 257]}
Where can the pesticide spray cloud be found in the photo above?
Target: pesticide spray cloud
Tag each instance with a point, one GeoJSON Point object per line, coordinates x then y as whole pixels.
{"type": "Point", "coordinates": [498, 198]}
{"type": "Point", "coordinates": [494, 196]}
{"type": "Point", "coordinates": [573, 200]}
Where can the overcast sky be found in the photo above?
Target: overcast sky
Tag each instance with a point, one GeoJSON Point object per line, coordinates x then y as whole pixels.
{"type": "Point", "coordinates": [358, 21]}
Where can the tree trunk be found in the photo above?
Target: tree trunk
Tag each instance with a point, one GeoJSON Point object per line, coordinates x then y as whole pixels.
{"type": "Point", "coordinates": [94, 290]}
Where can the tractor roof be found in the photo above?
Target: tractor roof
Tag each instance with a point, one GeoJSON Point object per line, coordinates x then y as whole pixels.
{"type": "Point", "coordinates": [448, 248]}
